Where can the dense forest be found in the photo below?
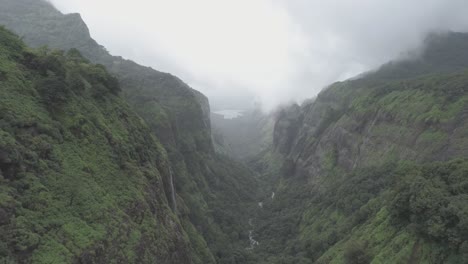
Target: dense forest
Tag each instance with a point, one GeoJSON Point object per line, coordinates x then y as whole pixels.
{"type": "Point", "coordinates": [106, 161]}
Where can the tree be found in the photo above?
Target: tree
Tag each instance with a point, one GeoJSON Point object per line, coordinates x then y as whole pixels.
{"type": "Point", "coordinates": [53, 91]}
{"type": "Point", "coordinates": [76, 55]}
{"type": "Point", "coordinates": [355, 253]}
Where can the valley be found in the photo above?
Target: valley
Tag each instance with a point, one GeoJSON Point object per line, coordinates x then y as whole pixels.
{"type": "Point", "coordinates": [103, 160]}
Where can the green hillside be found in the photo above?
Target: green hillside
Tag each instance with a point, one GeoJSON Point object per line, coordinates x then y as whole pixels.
{"type": "Point", "coordinates": [374, 169]}
{"type": "Point", "coordinates": [213, 194]}
{"type": "Point", "coordinates": [81, 175]}
{"type": "Point", "coordinates": [113, 162]}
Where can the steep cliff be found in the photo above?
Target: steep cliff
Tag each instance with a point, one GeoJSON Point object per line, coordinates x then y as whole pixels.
{"type": "Point", "coordinates": [245, 136]}
{"type": "Point", "coordinates": [81, 176]}
{"type": "Point", "coordinates": [373, 170]}
{"type": "Point", "coordinates": [382, 117]}
{"type": "Point", "coordinates": [211, 191]}
{"type": "Point", "coordinates": [170, 107]}
{"type": "Point", "coordinates": [370, 169]}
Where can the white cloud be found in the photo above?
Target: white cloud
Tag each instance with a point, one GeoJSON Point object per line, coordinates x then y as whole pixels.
{"type": "Point", "coordinates": [271, 50]}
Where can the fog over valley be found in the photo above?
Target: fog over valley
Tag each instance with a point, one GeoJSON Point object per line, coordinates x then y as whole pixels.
{"type": "Point", "coordinates": [265, 51]}
{"type": "Point", "coordinates": [234, 132]}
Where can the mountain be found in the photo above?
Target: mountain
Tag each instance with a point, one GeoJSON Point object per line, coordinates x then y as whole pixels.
{"type": "Point", "coordinates": [209, 193]}
{"type": "Point", "coordinates": [244, 136]}
{"type": "Point", "coordinates": [81, 176]}
{"type": "Point", "coordinates": [374, 169]}
{"type": "Point", "coordinates": [170, 106]}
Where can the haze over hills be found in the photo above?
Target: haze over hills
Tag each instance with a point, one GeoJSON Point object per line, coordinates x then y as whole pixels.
{"type": "Point", "coordinates": [103, 160]}
{"type": "Point", "coordinates": [280, 51]}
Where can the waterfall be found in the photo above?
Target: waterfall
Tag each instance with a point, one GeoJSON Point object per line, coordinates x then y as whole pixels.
{"type": "Point", "coordinates": [252, 241]}
{"type": "Point", "coordinates": [173, 192]}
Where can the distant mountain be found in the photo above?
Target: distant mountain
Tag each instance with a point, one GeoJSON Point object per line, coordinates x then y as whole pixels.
{"type": "Point", "coordinates": [243, 136]}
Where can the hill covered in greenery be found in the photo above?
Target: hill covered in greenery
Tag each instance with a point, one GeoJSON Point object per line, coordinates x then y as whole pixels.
{"type": "Point", "coordinates": [374, 170]}
{"type": "Point", "coordinates": [209, 194]}
{"type": "Point", "coordinates": [82, 178]}
{"type": "Point", "coordinates": [213, 193]}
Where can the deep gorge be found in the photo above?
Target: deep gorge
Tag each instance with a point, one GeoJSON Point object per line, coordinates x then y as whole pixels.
{"type": "Point", "coordinates": [103, 160]}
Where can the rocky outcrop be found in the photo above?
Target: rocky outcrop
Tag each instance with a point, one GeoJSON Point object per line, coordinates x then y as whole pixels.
{"type": "Point", "coordinates": [286, 129]}
{"type": "Point", "coordinates": [371, 120]}
{"type": "Point", "coordinates": [170, 106]}
{"type": "Point", "coordinates": [246, 136]}
{"type": "Point", "coordinates": [178, 117]}
{"type": "Point", "coordinates": [81, 176]}
{"type": "Point", "coordinates": [369, 167]}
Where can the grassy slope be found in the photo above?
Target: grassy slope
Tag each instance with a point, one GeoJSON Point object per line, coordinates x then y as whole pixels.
{"type": "Point", "coordinates": [81, 175]}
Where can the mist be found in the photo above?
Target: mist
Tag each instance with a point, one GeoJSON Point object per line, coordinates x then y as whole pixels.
{"type": "Point", "coordinates": [266, 52]}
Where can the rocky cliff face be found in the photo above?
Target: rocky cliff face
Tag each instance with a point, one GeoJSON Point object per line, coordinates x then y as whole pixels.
{"type": "Point", "coordinates": [373, 169]}
{"type": "Point", "coordinates": [178, 117]}
{"type": "Point", "coordinates": [419, 116]}
{"type": "Point", "coordinates": [81, 176]}
{"type": "Point", "coordinates": [286, 129]}
{"type": "Point", "coordinates": [348, 153]}
{"type": "Point", "coordinates": [166, 102]}
{"type": "Point", "coordinates": [245, 136]}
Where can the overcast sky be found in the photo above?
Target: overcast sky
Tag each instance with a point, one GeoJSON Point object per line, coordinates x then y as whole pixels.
{"type": "Point", "coordinates": [269, 51]}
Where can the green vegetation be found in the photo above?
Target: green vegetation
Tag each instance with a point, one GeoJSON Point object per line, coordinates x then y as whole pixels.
{"type": "Point", "coordinates": [81, 176]}
{"type": "Point", "coordinates": [372, 171]}
{"type": "Point", "coordinates": [208, 186]}
{"type": "Point", "coordinates": [370, 215]}
{"type": "Point", "coordinates": [433, 201]}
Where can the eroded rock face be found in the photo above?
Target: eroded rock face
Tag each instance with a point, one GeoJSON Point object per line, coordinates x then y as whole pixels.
{"type": "Point", "coordinates": [378, 118]}
{"type": "Point", "coordinates": [288, 123]}
{"type": "Point", "coordinates": [178, 117]}
{"type": "Point", "coordinates": [173, 109]}
{"type": "Point", "coordinates": [346, 157]}
{"type": "Point", "coordinates": [357, 140]}
{"type": "Point", "coordinates": [83, 179]}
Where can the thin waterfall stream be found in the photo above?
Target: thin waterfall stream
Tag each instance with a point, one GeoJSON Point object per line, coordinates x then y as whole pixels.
{"type": "Point", "coordinates": [173, 193]}
{"type": "Point", "coordinates": [252, 241]}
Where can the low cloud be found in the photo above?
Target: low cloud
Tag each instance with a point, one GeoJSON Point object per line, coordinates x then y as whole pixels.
{"type": "Point", "coordinates": [266, 51]}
